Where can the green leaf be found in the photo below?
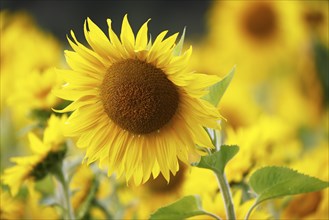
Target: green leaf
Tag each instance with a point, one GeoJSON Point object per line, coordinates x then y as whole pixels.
{"type": "Point", "coordinates": [45, 186]}
{"type": "Point", "coordinates": [179, 47]}
{"type": "Point", "coordinates": [272, 182]}
{"type": "Point", "coordinates": [186, 207]}
{"type": "Point", "coordinates": [218, 160]}
{"type": "Point", "coordinates": [217, 90]}
{"type": "Point", "coordinates": [322, 66]}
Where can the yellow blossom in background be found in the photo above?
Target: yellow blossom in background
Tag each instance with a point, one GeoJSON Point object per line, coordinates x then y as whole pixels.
{"type": "Point", "coordinates": [268, 141]}
{"type": "Point", "coordinates": [200, 182]}
{"type": "Point", "coordinates": [256, 35]}
{"type": "Point", "coordinates": [54, 132]}
{"type": "Point", "coordinates": [129, 93]}
{"type": "Point", "coordinates": [287, 99]}
{"type": "Point", "coordinates": [315, 19]}
{"type": "Point", "coordinates": [24, 49]}
{"type": "Point", "coordinates": [34, 210]}
{"type": "Point", "coordinates": [10, 208]}
{"type": "Point", "coordinates": [46, 153]}
{"type": "Point", "coordinates": [26, 53]}
{"type": "Point", "coordinates": [24, 169]}
{"type": "Point", "coordinates": [35, 92]}
{"type": "Point", "coordinates": [238, 93]}
{"type": "Point", "coordinates": [273, 53]}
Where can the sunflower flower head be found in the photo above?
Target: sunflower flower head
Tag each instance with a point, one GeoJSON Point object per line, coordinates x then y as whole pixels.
{"type": "Point", "coordinates": [36, 51]}
{"type": "Point", "coordinates": [137, 109]}
{"type": "Point", "coordinates": [47, 153]}
{"type": "Point", "coordinates": [34, 91]}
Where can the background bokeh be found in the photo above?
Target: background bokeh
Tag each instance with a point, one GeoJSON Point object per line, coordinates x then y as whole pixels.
{"type": "Point", "coordinates": [276, 107]}
{"type": "Point", "coordinates": [59, 17]}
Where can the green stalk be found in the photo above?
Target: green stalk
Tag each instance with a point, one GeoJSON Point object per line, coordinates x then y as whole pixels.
{"type": "Point", "coordinates": [212, 215]}
{"type": "Point", "coordinates": [250, 210]}
{"type": "Point", "coordinates": [59, 174]}
{"type": "Point", "coordinates": [226, 195]}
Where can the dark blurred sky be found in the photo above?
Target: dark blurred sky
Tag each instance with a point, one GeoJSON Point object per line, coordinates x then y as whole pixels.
{"type": "Point", "coordinates": [59, 16]}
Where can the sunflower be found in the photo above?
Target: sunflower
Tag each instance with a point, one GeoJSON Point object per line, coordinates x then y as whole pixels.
{"type": "Point", "coordinates": [46, 154]}
{"type": "Point", "coordinates": [260, 34]}
{"type": "Point", "coordinates": [272, 136]}
{"type": "Point", "coordinates": [33, 209]}
{"type": "Point", "coordinates": [20, 39]}
{"type": "Point", "coordinates": [315, 19]}
{"type": "Point", "coordinates": [136, 106]}
{"type": "Point", "coordinates": [35, 92]}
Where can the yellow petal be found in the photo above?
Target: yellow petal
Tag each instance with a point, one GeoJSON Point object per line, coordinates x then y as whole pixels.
{"type": "Point", "coordinates": [158, 40]}
{"type": "Point", "coordinates": [86, 53]}
{"type": "Point", "coordinates": [77, 63]}
{"type": "Point", "coordinates": [36, 144]}
{"type": "Point", "coordinates": [161, 156]}
{"type": "Point", "coordinates": [142, 38]}
{"type": "Point", "coordinates": [121, 52]}
{"type": "Point", "coordinates": [127, 36]}
{"type": "Point", "coordinates": [97, 39]}
{"type": "Point", "coordinates": [73, 77]}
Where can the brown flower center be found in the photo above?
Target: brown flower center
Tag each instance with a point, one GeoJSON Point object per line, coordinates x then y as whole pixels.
{"type": "Point", "coordinates": [304, 205]}
{"type": "Point", "coordinates": [314, 18]}
{"type": "Point", "coordinates": [138, 96]}
{"type": "Point", "coordinates": [260, 21]}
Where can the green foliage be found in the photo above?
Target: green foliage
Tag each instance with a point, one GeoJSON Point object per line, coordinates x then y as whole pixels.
{"type": "Point", "coordinates": [45, 186]}
{"type": "Point", "coordinates": [321, 53]}
{"type": "Point", "coordinates": [217, 90]}
{"type": "Point", "coordinates": [218, 160]}
{"type": "Point", "coordinates": [272, 182]}
{"type": "Point", "coordinates": [41, 116]}
{"type": "Point", "coordinates": [179, 47]}
{"type": "Point", "coordinates": [186, 207]}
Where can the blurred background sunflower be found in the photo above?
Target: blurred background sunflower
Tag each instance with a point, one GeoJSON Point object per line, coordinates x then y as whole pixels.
{"type": "Point", "coordinates": [276, 105]}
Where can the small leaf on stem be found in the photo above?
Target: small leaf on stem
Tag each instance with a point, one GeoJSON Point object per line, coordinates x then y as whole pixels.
{"type": "Point", "coordinates": [218, 160]}
{"type": "Point", "coordinates": [179, 47]}
{"type": "Point", "coordinates": [217, 90]}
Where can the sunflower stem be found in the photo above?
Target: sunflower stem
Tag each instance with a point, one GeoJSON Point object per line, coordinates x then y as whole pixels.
{"type": "Point", "coordinates": [223, 184]}
{"type": "Point", "coordinates": [59, 174]}
{"type": "Point", "coordinates": [226, 195]}
{"type": "Point", "coordinates": [250, 210]}
{"type": "Point", "coordinates": [212, 215]}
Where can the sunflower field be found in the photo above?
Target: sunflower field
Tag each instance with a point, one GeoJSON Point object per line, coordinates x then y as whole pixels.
{"type": "Point", "coordinates": [113, 120]}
